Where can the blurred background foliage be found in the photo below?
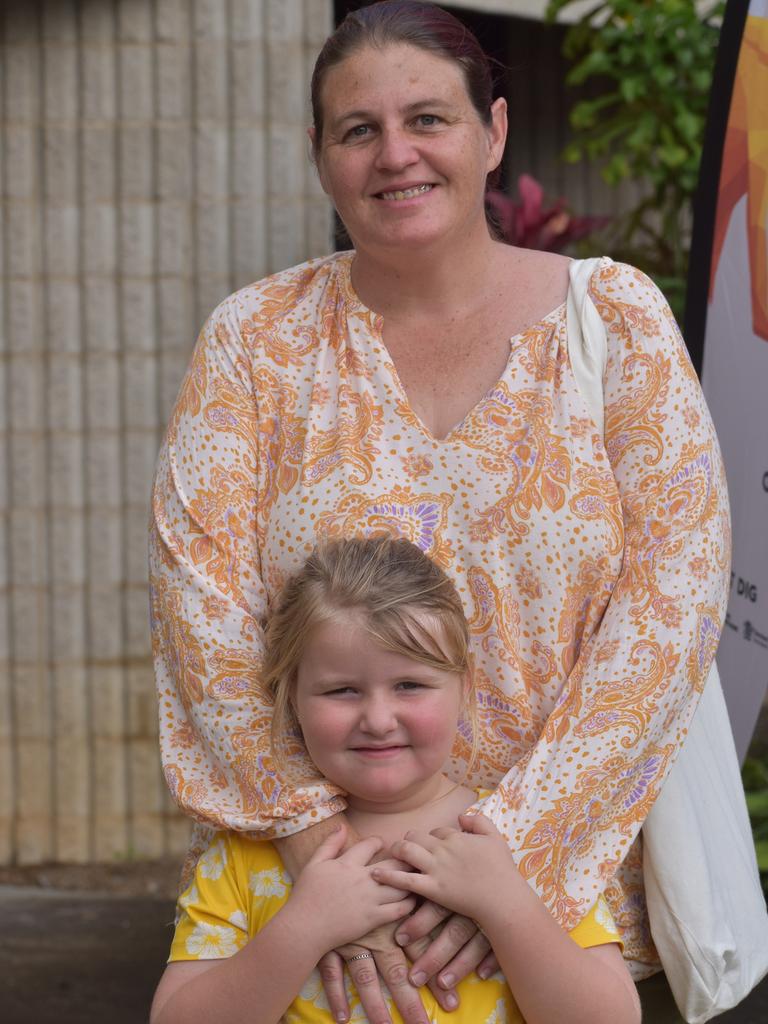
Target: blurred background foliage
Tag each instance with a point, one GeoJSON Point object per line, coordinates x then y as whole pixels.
{"type": "Point", "coordinates": [653, 61]}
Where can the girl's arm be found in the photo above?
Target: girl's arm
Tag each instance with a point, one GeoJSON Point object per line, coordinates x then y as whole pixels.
{"type": "Point", "coordinates": [550, 976]}
{"type": "Point", "coordinates": [258, 983]}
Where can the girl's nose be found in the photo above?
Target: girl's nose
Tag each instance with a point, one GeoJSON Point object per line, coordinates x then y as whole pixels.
{"type": "Point", "coordinates": [378, 716]}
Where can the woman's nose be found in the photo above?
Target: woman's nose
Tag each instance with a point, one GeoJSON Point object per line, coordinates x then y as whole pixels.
{"type": "Point", "coordinates": [396, 150]}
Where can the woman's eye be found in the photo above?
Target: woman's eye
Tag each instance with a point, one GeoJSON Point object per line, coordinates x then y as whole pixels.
{"type": "Point", "coordinates": [358, 131]}
{"type": "Point", "coordinates": [428, 120]}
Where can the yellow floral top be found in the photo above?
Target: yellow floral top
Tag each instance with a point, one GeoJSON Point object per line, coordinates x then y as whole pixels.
{"type": "Point", "coordinates": [239, 885]}
{"type": "Point", "coordinates": [593, 570]}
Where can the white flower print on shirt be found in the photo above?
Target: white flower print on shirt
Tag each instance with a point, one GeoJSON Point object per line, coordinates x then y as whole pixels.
{"type": "Point", "coordinates": [271, 882]}
{"type": "Point", "coordinates": [213, 861]}
{"type": "Point", "coordinates": [212, 942]}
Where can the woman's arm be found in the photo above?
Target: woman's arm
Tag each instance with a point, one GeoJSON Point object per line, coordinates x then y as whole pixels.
{"type": "Point", "coordinates": [258, 983]}
{"type": "Point", "coordinates": [551, 977]}
{"type": "Point", "coordinates": [571, 808]}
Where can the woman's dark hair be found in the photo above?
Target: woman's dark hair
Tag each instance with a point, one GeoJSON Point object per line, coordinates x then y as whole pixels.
{"type": "Point", "coordinates": [418, 24]}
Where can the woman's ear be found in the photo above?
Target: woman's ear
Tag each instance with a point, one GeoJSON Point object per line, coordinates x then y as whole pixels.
{"type": "Point", "coordinates": [497, 133]}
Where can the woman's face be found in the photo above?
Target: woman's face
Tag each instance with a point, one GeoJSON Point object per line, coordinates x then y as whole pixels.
{"type": "Point", "coordinates": [404, 154]}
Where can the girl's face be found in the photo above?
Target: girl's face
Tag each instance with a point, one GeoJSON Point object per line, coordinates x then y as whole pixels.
{"type": "Point", "coordinates": [404, 154]}
{"type": "Point", "coordinates": [378, 724]}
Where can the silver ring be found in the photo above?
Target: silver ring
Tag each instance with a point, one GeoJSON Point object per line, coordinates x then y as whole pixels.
{"type": "Point", "coordinates": [360, 956]}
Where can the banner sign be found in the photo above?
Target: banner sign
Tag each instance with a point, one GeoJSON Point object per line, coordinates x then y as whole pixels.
{"type": "Point", "coordinates": [728, 312]}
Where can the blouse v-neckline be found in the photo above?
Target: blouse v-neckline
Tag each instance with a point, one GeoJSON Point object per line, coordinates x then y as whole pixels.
{"type": "Point", "coordinates": [375, 322]}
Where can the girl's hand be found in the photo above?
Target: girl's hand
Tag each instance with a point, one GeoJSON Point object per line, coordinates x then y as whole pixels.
{"type": "Point", "coordinates": [453, 868]}
{"type": "Point", "coordinates": [344, 881]}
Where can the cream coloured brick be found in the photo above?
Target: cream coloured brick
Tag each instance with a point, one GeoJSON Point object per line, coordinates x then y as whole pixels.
{"type": "Point", "coordinates": [175, 160]}
{"type": "Point", "coordinates": [27, 464]}
{"type": "Point", "coordinates": [105, 628]}
{"type": "Point", "coordinates": [99, 226]}
{"type": "Point", "coordinates": [135, 81]}
{"type": "Point", "coordinates": [62, 235]}
{"type": "Point", "coordinates": [177, 832]}
{"type": "Point", "coordinates": [21, 161]}
{"type": "Point", "coordinates": [140, 459]}
{"type": "Point", "coordinates": [174, 238]}
{"type": "Point", "coordinates": [247, 20]}
{"type": "Point", "coordinates": [98, 86]}
{"type": "Point", "coordinates": [63, 324]}
{"type": "Point", "coordinates": [23, 234]}
{"type": "Point", "coordinates": [137, 238]}
{"type": "Point", "coordinates": [24, 26]}
{"type": "Point", "coordinates": [59, 21]}
{"type": "Point", "coordinates": [211, 81]}
{"type": "Point", "coordinates": [107, 699]}
{"type": "Point", "coordinates": [174, 78]}
{"type": "Point", "coordinates": [26, 398]}
{"type": "Point", "coordinates": [286, 97]}
{"type": "Point", "coordinates": [247, 66]}
{"type": "Point", "coordinates": [22, 83]}
{"type": "Point", "coordinates": [286, 233]}
{"type": "Point", "coordinates": [98, 163]}
{"type": "Point", "coordinates": [71, 762]}
{"type": "Point", "coordinates": [209, 20]}
{"type": "Point", "coordinates": [135, 156]}
{"type": "Point", "coordinates": [64, 393]}
{"type": "Point", "coordinates": [103, 462]}
{"type": "Point", "coordinates": [100, 317]}
{"type": "Point", "coordinates": [249, 241]}
{"type": "Point", "coordinates": [249, 169]}
{"type": "Point", "coordinates": [137, 638]}
{"type": "Point", "coordinates": [97, 21]}
{"type": "Point", "coordinates": [286, 161]}
{"type": "Point", "coordinates": [60, 99]}
{"type": "Point", "coordinates": [212, 239]}
{"type": "Point", "coordinates": [67, 565]}
{"type": "Point", "coordinates": [110, 788]}
{"type": "Point", "coordinates": [60, 162]}
{"type": "Point", "coordinates": [66, 476]}
{"type": "Point", "coordinates": [178, 324]}
{"type": "Point", "coordinates": [136, 542]}
{"type": "Point", "coordinates": [29, 630]}
{"type": "Point", "coordinates": [318, 22]}
{"type": "Point", "coordinates": [212, 142]}
{"type": "Point", "coordinates": [139, 380]}
{"type": "Point", "coordinates": [24, 315]}
{"type": "Point", "coordinates": [172, 20]}
{"type": "Point", "coordinates": [3, 416]}
{"type": "Point", "coordinates": [69, 641]}
{"type": "Point", "coordinates": [137, 314]}
{"type": "Point", "coordinates": [102, 373]}
{"type": "Point", "coordinates": [33, 780]}
{"type": "Point", "coordinates": [284, 19]}
{"type": "Point", "coordinates": [134, 21]}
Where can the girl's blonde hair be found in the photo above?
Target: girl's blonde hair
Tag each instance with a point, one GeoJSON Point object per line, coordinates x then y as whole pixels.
{"type": "Point", "coordinates": [391, 587]}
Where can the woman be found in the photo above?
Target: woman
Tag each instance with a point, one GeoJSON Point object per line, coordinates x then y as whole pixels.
{"type": "Point", "coordinates": [421, 386]}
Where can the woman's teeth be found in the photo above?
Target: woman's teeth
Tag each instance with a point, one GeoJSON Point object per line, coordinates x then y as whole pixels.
{"type": "Point", "coordinates": [409, 193]}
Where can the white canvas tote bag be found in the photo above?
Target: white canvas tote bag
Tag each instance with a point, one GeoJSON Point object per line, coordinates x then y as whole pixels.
{"type": "Point", "coordinates": [705, 904]}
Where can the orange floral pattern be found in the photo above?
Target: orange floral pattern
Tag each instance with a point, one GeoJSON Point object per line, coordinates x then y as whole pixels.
{"type": "Point", "coordinates": [593, 571]}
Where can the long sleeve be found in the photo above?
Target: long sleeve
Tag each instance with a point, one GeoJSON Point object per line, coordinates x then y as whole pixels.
{"type": "Point", "coordinates": [572, 806]}
{"type": "Point", "coordinates": [209, 602]}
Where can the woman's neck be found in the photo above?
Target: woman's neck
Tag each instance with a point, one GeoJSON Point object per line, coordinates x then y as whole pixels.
{"type": "Point", "coordinates": [415, 283]}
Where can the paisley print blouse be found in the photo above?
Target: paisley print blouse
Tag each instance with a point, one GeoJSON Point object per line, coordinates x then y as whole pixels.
{"type": "Point", "coordinates": [593, 570]}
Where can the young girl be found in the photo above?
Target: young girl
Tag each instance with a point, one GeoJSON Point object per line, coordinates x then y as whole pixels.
{"type": "Point", "coordinates": [368, 661]}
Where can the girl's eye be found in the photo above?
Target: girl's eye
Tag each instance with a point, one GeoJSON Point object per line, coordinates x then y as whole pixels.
{"type": "Point", "coordinates": [340, 691]}
{"type": "Point", "coordinates": [410, 684]}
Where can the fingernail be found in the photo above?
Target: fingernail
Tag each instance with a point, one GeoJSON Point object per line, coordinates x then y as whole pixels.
{"type": "Point", "coordinates": [418, 978]}
{"type": "Point", "coordinates": [451, 1002]}
{"type": "Point", "coordinates": [447, 980]}
{"type": "Point", "coordinates": [484, 973]}
{"type": "Point", "coordinates": [342, 1017]}
{"type": "Point", "coordinates": [402, 939]}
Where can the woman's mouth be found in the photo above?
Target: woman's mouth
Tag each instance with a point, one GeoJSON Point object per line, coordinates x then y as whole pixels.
{"type": "Point", "coordinates": [407, 193]}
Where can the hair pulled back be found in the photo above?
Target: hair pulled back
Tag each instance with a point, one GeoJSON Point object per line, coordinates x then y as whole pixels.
{"type": "Point", "coordinates": [424, 25]}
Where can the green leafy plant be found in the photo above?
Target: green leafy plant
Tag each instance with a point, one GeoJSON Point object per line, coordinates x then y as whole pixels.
{"type": "Point", "coordinates": [754, 775]}
{"type": "Point", "coordinates": [651, 62]}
